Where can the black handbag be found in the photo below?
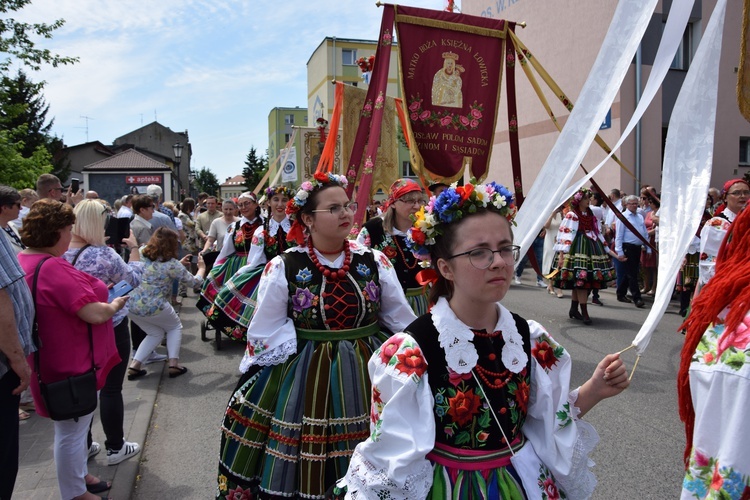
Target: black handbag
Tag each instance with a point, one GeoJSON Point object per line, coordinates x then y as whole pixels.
{"type": "Point", "coordinates": [73, 397]}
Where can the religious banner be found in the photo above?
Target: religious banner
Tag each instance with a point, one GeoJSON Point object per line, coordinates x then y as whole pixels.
{"type": "Point", "coordinates": [289, 168]}
{"type": "Point", "coordinates": [743, 76]}
{"type": "Point", "coordinates": [451, 68]}
{"type": "Point", "coordinates": [386, 169]}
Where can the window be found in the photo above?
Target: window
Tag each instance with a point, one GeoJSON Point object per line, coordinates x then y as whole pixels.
{"type": "Point", "coordinates": [684, 55]}
{"type": "Point", "coordinates": [406, 170]}
{"type": "Point", "coordinates": [348, 57]}
{"type": "Point", "coordinates": [289, 119]}
{"type": "Point", "coordinates": [286, 138]}
{"type": "Point", "coordinates": [744, 150]}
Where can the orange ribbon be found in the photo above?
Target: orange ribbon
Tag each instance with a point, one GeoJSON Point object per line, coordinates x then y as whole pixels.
{"type": "Point", "coordinates": [426, 277]}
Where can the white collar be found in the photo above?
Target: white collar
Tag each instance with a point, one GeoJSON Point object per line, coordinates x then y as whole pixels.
{"type": "Point", "coordinates": [729, 214]}
{"type": "Point", "coordinates": [273, 226]}
{"type": "Point", "coordinates": [138, 217]}
{"type": "Point", "coordinates": [456, 339]}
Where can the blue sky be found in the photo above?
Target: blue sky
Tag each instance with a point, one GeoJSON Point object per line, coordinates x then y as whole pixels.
{"type": "Point", "coordinates": [212, 67]}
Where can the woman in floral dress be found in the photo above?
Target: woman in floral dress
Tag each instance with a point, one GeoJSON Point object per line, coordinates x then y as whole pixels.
{"type": "Point", "coordinates": [233, 307]}
{"type": "Point", "coordinates": [713, 382]}
{"type": "Point", "coordinates": [387, 233]}
{"type": "Point", "coordinates": [234, 252]}
{"type": "Point", "coordinates": [583, 257]}
{"type": "Point", "coordinates": [472, 401]}
{"type": "Point", "coordinates": [302, 403]}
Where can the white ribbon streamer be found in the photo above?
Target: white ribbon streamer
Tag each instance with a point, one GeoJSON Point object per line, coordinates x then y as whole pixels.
{"type": "Point", "coordinates": [623, 37]}
{"type": "Point", "coordinates": [679, 14]}
{"type": "Point", "coordinates": [688, 157]}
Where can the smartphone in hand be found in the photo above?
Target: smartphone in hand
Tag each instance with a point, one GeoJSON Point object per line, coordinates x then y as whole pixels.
{"type": "Point", "coordinates": [75, 185]}
{"type": "Point", "coordinates": [120, 289]}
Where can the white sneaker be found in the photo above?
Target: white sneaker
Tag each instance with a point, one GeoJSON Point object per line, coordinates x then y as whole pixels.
{"type": "Point", "coordinates": [155, 357]}
{"type": "Point", "coordinates": [128, 450]}
{"type": "Point", "coordinates": [516, 280]}
{"type": "Point", "coordinates": [541, 284]}
{"type": "Point", "coordinates": [94, 449]}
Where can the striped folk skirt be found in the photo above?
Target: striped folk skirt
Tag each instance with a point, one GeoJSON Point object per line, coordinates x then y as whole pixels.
{"type": "Point", "coordinates": [418, 300]}
{"type": "Point", "coordinates": [586, 265]}
{"type": "Point", "coordinates": [290, 429]}
{"type": "Point", "coordinates": [216, 278]}
{"type": "Point", "coordinates": [234, 305]}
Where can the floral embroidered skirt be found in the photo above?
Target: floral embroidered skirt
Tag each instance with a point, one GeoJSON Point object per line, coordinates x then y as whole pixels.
{"type": "Point", "coordinates": [216, 279]}
{"type": "Point", "coordinates": [586, 265]}
{"type": "Point", "coordinates": [234, 305]}
{"type": "Point", "coordinates": [290, 429]}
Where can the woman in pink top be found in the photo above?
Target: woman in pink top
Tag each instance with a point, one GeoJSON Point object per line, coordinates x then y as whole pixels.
{"type": "Point", "coordinates": [67, 301]}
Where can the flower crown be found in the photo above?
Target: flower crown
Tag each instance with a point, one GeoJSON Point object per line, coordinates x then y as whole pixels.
{"type": "Point", "coordinates": [319, 180]}
{"type": "Point", "coordinates": [275, 190]}
{"type": "Point", "coordinates": [580, 194]}
{"type": "Point", "coordinates": [452, 205]}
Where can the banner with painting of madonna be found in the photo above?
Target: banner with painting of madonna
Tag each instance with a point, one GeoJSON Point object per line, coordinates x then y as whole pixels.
{"type": "Point", "coordinates": [450, 70]}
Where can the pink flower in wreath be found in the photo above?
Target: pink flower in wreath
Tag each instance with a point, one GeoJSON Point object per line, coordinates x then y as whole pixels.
{"type": "Point", "coordinates": [464, 121]}
{"type": "Point", "coordinates": [424, 115]}
{"type": "Point", "coordinates": [415, 105]}
{"type": "Point", "coordinates": [474, 123]}
{"type": "Point", "coordinates": [446, 120]}
{"type": "Point", "coordinates": [476, 113]}
{"type": "Point", "coordinates": [550, 488]}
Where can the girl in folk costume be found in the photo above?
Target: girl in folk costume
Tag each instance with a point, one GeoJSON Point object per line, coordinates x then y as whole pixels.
{"type": "Point", "coordinates": [388, 234]}
{"type": "Point", "coordinates": [713, 382]}
{"type": "Point", "coordinates": [736, 194]}
{"type": "Point", "coordinates": [234, 305]}
{"type": "Point", "coordinates": [302, 403]}
{"type": "Point", "coordinates": [472, 401]}
{"type": "Point", "coordinates": [583, 255]}
{"type": "Point", "coordinates": [235, 250]}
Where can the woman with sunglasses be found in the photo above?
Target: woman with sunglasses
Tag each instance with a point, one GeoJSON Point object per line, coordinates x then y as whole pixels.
{"type": "Point", "coordinates": [234, 305]}
{"type": "Point", "coordinates": [234, 251]}
{"type": "Point", "coordinates": [473, 401]}
{"type": "Point", "coordinates": [88, 252]}
{"type": "Point", "coordinates": [387, 233]}
{"type": "Point", "coordinates": [302, 403]}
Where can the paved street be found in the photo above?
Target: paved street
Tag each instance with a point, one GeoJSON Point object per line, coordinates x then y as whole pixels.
{"type": "Point", "coordinates": [639, 454]}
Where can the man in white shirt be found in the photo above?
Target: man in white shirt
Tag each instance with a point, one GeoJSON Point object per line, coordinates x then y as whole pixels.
{"type": "Point", "coordinates": [126, 210]}
{"type": "Point", "coordinates": [629, 245]}
{"type": "Point", "coordinates": [219, 226]}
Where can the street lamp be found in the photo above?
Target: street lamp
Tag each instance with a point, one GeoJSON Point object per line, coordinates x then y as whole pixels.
{"type": "Point", "coordinates": [177, 150]}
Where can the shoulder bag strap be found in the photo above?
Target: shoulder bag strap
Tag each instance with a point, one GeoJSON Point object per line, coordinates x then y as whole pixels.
{"type": "Point", "coordinates": [77, 255]}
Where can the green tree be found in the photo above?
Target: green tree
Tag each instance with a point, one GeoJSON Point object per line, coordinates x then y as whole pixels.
{"type": "Point", "coordinates": [255, 168]}
{"type": "Point", "coordinates": [23, 113]}
{"type": "Point", "coordinates": [206, 181]}
{"type": "Point", "coordinates": [17, 39]}
{"type": "Point", "coordinates": [16, 170]}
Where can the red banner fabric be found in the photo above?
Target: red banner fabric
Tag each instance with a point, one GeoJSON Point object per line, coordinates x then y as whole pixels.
{"type": "Point", "coordinates": [451, 68]}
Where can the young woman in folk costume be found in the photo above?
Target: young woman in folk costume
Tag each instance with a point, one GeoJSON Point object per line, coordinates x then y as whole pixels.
{"type": "Point", "coordinates": [387, 233]}
{"type": "Point", "coordinates": [303, 401]}
{"type": "Point", "coordinates": [234, 252]}
{"type": "Point", "coordinates": [473, 401]}
{"type": "Point", "coordinates": [234, 305]}
{"type": "Point", "coordinates": [583, 257]}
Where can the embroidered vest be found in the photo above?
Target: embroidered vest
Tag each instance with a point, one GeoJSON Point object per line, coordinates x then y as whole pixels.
{"type": "Point", "coordinates": [394, 247]}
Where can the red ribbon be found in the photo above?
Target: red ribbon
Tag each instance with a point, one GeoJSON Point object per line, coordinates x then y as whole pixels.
{"type": "Point", "coordinates": [295, 234]}
{"type": "Point", "coordinates": [426, 277]}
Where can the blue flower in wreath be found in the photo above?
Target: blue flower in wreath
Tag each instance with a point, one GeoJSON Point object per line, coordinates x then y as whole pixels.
{"type": "Point", "coordinates": [502, 190]}
{"type": "Point", "coordinates": [304, 275]}
{"type": "Point", "coordinates": [363, 270]}
{"type": "Point", "coordinates": [445, 205]}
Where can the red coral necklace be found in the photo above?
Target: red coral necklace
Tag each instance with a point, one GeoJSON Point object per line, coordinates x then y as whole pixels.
{"type": "Point", "coordinates": [331, 275]}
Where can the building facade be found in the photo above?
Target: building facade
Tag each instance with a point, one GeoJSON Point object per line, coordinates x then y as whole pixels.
{"type": "Point", "coordinates": [232, 188]}
{"type": "Point", "coordinates": [281, 124]}
{"type": "Point", "coordinates": [127, 172]}
{"type": "Point", "coordinates": [565, 38]}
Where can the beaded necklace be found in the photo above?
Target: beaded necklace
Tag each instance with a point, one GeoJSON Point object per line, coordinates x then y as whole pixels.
{"type": "Point", "coordinates": [403, 257]}
{"type": "Point", "coordinates": [329, 274]}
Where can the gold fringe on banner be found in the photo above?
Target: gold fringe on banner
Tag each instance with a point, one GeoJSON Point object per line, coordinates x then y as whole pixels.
{"type": "Point", "coordinates": [743, 74]}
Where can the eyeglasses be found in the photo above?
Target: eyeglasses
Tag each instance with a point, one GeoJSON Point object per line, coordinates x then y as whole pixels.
{"type": "Point", "coordinates": [336, 209]}
{"type": "Point", "coordinates": [739, 193]}
{"type": "Point", "coordinates": [482, 258]}
{"type": "Point", "coordinates": [412, 201]}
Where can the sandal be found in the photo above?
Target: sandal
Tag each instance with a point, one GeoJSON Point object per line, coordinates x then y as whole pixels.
{"type": "Point", "coordinates": [176, 371]}
{"type": "Point", "coordinates": [23, 415]}
{"type": "Point", "coordinates": [134, 373]}
{"type": "Point", "coordinates": [27, 406]}
{"type": "Point", "coordinates": [99, 487]}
